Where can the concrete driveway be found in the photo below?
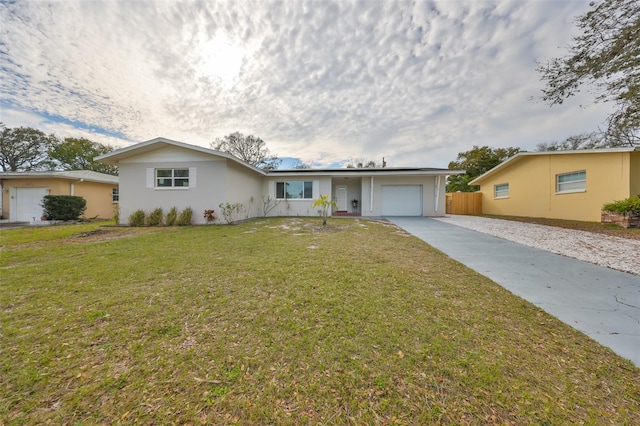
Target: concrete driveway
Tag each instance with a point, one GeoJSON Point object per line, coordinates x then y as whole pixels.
{"type": "Point", "coordinates": [601, 302]}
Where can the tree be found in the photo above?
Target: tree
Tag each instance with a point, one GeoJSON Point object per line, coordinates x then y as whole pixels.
{"type": "Point", "coordinates": [23, 149]}
{"type": "Point", "coordinates": [583, 141]}
{"type": "Point", "coordinates": [325, 204]}
{"type": "Point", "coordinates": [361, 164]}
{"type": "Point", "coordinates": [249, 149]}
{"type": "Point", "coordinates": [605, 54]}
{"type": "Point", "coordinates": [78, 154]}
{"type": "Point", "coordinates": [300, 165]}
{"type": "Point", "coordinates": [476, 162]}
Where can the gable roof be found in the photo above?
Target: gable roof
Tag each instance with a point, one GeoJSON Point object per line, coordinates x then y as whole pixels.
{"type": "Point", "coordinates": [523, 155]}
{"type": "Point", "coordinates": [157, 143]}
{"type": "Point", "coordinates": [87, 175]}
{"type": "Point", "coordinates": [114, 157]}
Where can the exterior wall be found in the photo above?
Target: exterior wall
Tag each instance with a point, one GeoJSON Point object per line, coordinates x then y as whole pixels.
{"type": "Point", "coordinates": [635, 174]}
{"type": "Point", "coordinates": [321, 186]}
{"type": "Point", "coordinates": [213, 178]}
{"type": "Point", "coordinates": [532, 186]}
{"type": "Point", "coordinates": [428, 183]}
{"type": "Point", "coordinates": [354, 191]}
{"type": "Point", "coordinates": [97, 195]}
{"type": "Point", "coordinates": [245, 189]}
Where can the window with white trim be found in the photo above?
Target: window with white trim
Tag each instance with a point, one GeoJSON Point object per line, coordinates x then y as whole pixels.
{"type": "Point", "coordinates": [172, 178]}
{"type": "Point", "coordinates": [571, 182]}
{"type": "Point", "coordinates": [115, 195]}
{"type": "Point", "coordinates": [294, 189]}
{"type": "Point", "coordinates": [501, 191]}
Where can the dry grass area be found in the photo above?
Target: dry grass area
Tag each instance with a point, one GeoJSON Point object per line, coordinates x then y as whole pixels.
{"type": "Point", "coordinates": [279, 321]}
{"type": "Point", "coordinates": [595, 227]}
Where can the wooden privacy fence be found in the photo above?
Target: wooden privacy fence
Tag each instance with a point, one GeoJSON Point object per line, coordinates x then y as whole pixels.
{"type": "Point", "coordinates": [464, 203]}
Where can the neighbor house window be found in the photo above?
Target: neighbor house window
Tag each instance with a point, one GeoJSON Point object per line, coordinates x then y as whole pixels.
{"type": "Point", "coordinates": [501, 191]}
{"type": "Point", "coordinates": [172, 178]}
{"type": "Point", "coordinates": [115, 195]}
{"type": "Point", "coordinates": [294, 189]}
{"type": "Point", "coordinates": [571, 182]}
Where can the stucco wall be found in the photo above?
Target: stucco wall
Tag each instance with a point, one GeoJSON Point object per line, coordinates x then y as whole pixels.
{"type": "Point", "coordinates": [211, 183]}
{"type": "Point", "coordinates": [97, 195]}
{"type": "Point", "coordinates": [294, 207]}
{"type": "Point", "coordinates": [532, 186]}
{"type": "Point", "coordinates": [635, 174]}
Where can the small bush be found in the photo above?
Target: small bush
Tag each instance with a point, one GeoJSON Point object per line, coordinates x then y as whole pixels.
{"type": "Point", "coordinates": [210, 215]}
{"type": "Point", "coordinates": [154, 218]}
{"type": "Point", "coordinates": [172, 217]}
{"type": "Point", "coordinates": [630, 205]}
{"type": "Point", "coordinates": [63, 207]}
{"type": "Point", "coordinates": [137, 218]}
{"type": "Point", "coordinates": [185, 217]}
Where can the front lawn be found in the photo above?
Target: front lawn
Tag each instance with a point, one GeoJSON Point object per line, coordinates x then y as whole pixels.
{"type": "Point", "coordinates": [278, 321]}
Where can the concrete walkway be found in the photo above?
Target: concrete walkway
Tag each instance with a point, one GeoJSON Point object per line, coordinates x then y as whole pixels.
{"type": "Point", "coordinates": [601, 302]}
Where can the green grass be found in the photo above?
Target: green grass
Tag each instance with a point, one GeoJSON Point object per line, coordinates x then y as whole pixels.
{"type": "Point", "coordinates": [278, 321]}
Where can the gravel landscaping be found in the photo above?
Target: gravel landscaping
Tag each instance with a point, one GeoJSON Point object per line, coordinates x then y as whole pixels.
{"type": "Point", "coordinates": [613, 252]}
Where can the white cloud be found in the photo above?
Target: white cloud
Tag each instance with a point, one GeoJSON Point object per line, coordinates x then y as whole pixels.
{"type": "Point", "coordinates": [416, 82]}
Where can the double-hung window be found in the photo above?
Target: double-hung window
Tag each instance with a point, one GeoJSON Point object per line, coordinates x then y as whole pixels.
{"type": "Point", "coordinates": [501, 191]}
{"type": "Point", "coordinates": [294, 189]}
{"type": "Point", "coordinates": [115, 195]}
{"type": "Point", "coordinates": [172, 178]}
{"type": "Point", "coordinates": [571, 182]}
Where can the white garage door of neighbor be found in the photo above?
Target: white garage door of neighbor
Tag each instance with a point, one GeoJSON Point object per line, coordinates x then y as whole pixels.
{"type": "Point", "coordinates": [28, 202]}
{"type": "Point", "coordinates": [402, 200]}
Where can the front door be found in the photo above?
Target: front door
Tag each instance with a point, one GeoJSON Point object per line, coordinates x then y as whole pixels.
{"type": "Point", "coordinates": [341, 198]}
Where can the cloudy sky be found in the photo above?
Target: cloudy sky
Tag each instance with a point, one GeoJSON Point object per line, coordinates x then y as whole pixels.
{"type": "Point", "coordinates": [414, 82]}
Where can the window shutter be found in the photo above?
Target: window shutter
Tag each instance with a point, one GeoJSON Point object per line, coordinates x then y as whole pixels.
{"type": "Point", "coordinates": [316, 189]}
{"type": "Point", "coordinates": [272, 189]}
{"type": "Point", "coordinates": [192, 177]}
{"type": "Point", "coordinates": [150, 177]}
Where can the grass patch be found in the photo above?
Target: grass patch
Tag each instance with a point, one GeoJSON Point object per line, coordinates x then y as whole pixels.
{"type": "Point", "coordinates": [595, 227]}
{"type": "Point", "coordinates": [278, 321]}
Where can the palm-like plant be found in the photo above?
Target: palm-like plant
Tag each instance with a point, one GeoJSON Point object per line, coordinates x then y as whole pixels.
{"type": "Point", "coordinates": [325, 203]}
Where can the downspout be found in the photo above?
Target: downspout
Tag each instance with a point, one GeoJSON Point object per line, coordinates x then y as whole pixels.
{"type": "Point", "coordinates": [371, 196]}
{"type": "Point", "coordinates": [72, 190]}
{"type": "Point", "coordinates": [437, 192]}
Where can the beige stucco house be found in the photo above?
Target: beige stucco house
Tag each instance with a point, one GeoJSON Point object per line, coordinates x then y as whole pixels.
{"type": "Point", "coordinates": [569, 185]}
{"type": "Point", "coordinates": [162, 173]}
{"type": "Point", "coordinates": [22, 192]}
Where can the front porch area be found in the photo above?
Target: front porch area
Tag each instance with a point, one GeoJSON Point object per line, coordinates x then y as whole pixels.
{"type": "Point", "coordinates": [346, 214]}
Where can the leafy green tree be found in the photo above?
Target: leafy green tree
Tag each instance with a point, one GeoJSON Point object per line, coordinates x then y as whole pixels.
{"type": "Point", "coordinates": [606, 56]}
{"type": "Point", "coordinates": [325, 204]}
{"type": "Point", "coordinates": [476, 162]}
{"type": "Point", "coordinates": [78, 154]}
{"type": "Point", "coordinates": [24, 149]}
{"type": "Point", "coordinates": [249, 149]}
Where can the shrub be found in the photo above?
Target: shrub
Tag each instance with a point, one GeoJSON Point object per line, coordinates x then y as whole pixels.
{"type": "Point", "coordinates": [210, 215]}
{"type": "Point", "coordinates": [630, 205]}
{"type": "Point", "coordinates": [154, 218]}
{"type": "Point", "coordinates": [137, 218]}
{"type": "Point", "coordinates": [63, 207]}
{"type": "Point", "coordinates": [172, 217]}
{"type": "Point", "coordinates": [185, 217]}
{"type": "Point", "coordinates": [229, 211]}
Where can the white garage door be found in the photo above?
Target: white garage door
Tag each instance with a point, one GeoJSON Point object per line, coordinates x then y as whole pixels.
{"type": "Point", "coordinates": [402, 200]}
{"type": "Point", "coordinates": [28, 202]}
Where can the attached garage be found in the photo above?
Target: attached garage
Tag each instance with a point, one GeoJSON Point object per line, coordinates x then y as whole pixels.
{"type": "Point", "coordinates": [401, 200]}
{"type": "Point", "coordinates": [26, 203]}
